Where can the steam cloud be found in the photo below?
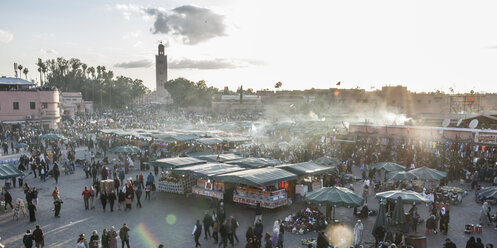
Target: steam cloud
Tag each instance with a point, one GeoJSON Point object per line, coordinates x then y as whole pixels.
{"type": "Point", "coordinates": [193, 24]}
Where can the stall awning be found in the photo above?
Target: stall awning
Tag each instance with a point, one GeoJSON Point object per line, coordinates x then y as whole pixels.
{"type": "Point", "coordinates": [209, 141]}
{"type": "Point", "coordinates": [9, 171]}
{"type": "Point", "coordinates": [222, 157]}
{"type": "Point", "coordinates": [176, 162]}
{"type": "Point", "coordinates": [236, 139]}
{"type": "Point", "coordinates": [327, 161]}
{"type": "Point", "coordinates": [306, 168]}
{"type": "Point", "coordinates": [207, 170]}
{"type": "Point", "coordinates": [257, 177]}
{"type": "Point", "coordinates": [254, 162]}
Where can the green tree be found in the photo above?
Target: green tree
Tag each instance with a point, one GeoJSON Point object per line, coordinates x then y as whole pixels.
{"type": "Point", "coordinates": [186, 93]}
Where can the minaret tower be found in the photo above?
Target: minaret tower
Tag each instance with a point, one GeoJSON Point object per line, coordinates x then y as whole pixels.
{"type": "Point", "coordinates": [160, 69]}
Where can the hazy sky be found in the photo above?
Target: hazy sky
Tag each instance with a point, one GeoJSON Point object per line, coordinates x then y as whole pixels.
{"type": "Point", "coordinates": [426, 45]}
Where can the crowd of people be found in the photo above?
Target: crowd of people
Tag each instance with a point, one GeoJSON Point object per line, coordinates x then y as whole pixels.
{"type": "Point", "coordinates": [49, 159]}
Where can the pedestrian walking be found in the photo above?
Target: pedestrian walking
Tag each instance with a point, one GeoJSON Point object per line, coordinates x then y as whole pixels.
{"type": "Point", "coordinates": [34, 195]}
{"type": "Point", "coordinates": [111, 198]}
{"type": "Point", "coordinates": [197, 231]}
{"type": "Point", "coordinates": [38, 237]}
{"type": "Point", "coordinates": [258, 213]}
{"type": "Point", "coordinates": [138, 194]}
{"type": "Point", "coordinates": [32, 209]}
{"type": "Point", "coordinates": [92, 197]}
{"type": "Point", "coordinates": [86, 197]}
{"type": "Point", "coordinates": [27, 239]}
{"type": "Point", "coordinates": [94, 240]}
{"type": "Point", "coordinates": [57, 206]}
{"type": "Point", "coordinates": [124, 235]}
{"type": "Point", "coordinates": [148, 188]}
{"type": "Point", "coordinates": [207, 221]}
{"type": "Point", "coordinates": [234, 226]}
{"type": "Point", "coordinates": [121, 197]}
{"type": "Point", "coordinates": [215, 231]}
{"type": "Point", "coordinates": [103, 199]}
{"type": "Point", "coordinates": [8, 199]}
{"type": "Point", "coordinates": [113, 238]}
{"type": "Point", "coordinates": [105, 239]}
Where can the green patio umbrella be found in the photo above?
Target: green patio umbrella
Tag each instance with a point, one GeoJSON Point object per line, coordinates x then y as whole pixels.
{"type": "Point", "coordinates": [490, 192]}
{"type": "Point", "coordinates": [9, 171]}
{"type": "Point", "coordinates": [125, 149]}
{"type": "Point", "coordinates": [425, 173]}
{"type": "Point", "coordinates": [406, 195]}
{"type": "Point", "coordinates": [400, 175]}
{"type": "Point", "coordinates": [52, 136]}
{"type": "Point", "coordinates": [335, 197]}
{"type": "Point", "coordinates": [388, 166]}
{"type": "Point", "coordinates": [381, 218]}
{"type": "Point", "coordinates": [398, 215]}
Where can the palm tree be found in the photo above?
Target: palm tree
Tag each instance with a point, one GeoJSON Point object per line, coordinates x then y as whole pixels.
{"type": "Point", "coordinates": [91, 70]}
{"type": "Point", "coordinates": [25, 71]}
{"type": "Point", "coordinates": [84, 66]}
{"type": "Point", "coordinates": [40, 66]}
{"type": "Point", "coordinates": [20, 69]}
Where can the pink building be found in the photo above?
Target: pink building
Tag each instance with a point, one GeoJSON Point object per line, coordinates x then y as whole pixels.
{"type": "Point", "coordinates": [21, 102]}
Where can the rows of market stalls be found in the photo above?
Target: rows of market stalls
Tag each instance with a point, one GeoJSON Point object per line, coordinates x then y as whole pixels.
{"type": "Point", "coordinates": [249, 181]}
{"type": "Point", "coordinates": [211, 166]}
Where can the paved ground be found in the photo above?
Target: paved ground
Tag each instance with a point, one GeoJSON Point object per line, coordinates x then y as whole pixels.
{"type": "Point", "coordinates": [169, 219]}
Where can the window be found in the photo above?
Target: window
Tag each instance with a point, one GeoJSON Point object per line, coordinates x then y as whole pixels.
{"type": "Point", "coordinates": [44, 105]}
{"type": "Point", "coordinates": [32, 105]}
{"type": "Point", "coordinates": [16, 105]}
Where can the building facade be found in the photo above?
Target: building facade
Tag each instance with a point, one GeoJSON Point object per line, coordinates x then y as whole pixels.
{"type": "Point", "coordinates": [74, 104]}
{"type": "Point", "coordinates": [21, 102]}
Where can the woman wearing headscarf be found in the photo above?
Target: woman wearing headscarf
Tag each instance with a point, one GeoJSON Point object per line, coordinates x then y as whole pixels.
{"type": "Point", "coordinates": [484, 214]}
{"type": "Point", "coordinates": [113, 238]}
{"type": "Point", "coordinates": [358, 228]}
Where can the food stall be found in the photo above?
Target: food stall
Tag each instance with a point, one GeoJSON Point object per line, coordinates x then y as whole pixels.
{"type": "Point", "coordinates": [267, 186]}
{"type": "Point", "coordinates": [253, 163]}
{"type": "Point", "coordinates": [203, 173]}
{"type": "Point", "coordinates": [309, 175]}
{"type": "Point", "coordinates": [174, 183]}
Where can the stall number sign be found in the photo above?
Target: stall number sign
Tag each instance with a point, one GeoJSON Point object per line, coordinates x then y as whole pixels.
{"type": "Point", "coordinates": [486, 138]}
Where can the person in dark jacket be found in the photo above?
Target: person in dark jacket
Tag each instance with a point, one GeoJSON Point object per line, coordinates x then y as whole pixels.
{"type": "Point", "coordinates": [8, 199]}
{"type": "Point", "coordinates": [138, 194]}
{"type": "Point", "coordinates": [259, 228]}
{"type": "Point", "coordinates": [267, 241]}
{"type": "Point", "coordinates": [111, 198]}
{"type": "Point", "coordinates": [103, 199]}
{"type": "Point", "coordinates": [197, 231]}
{"type": "Point", "coordinates": [379, 234]}
{"type": "Point", "coordinates": [57, 206]}
{"type": "Point", "coordinates": [449, 244]}
{"type": "Point", "coordinates": [121, 198]}
{"type": "Point", "coordinates": [32, 209]}
{"type": "Point", "coordinates": [38, 237]}
{"type": "Point", "coordinates": [234, 226]}
{"type": "Point", "coordinates": [28, 239]}
{"type": "Point", "coordinates": [207, 221]}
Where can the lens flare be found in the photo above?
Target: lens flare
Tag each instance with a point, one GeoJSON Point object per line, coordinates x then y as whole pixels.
{"type": "Point", "coordinates": [146, 235]}
{"type": "Point", "coordinates": [340, 235]}
{"type": "Point", "coordinates": [171, 219]}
